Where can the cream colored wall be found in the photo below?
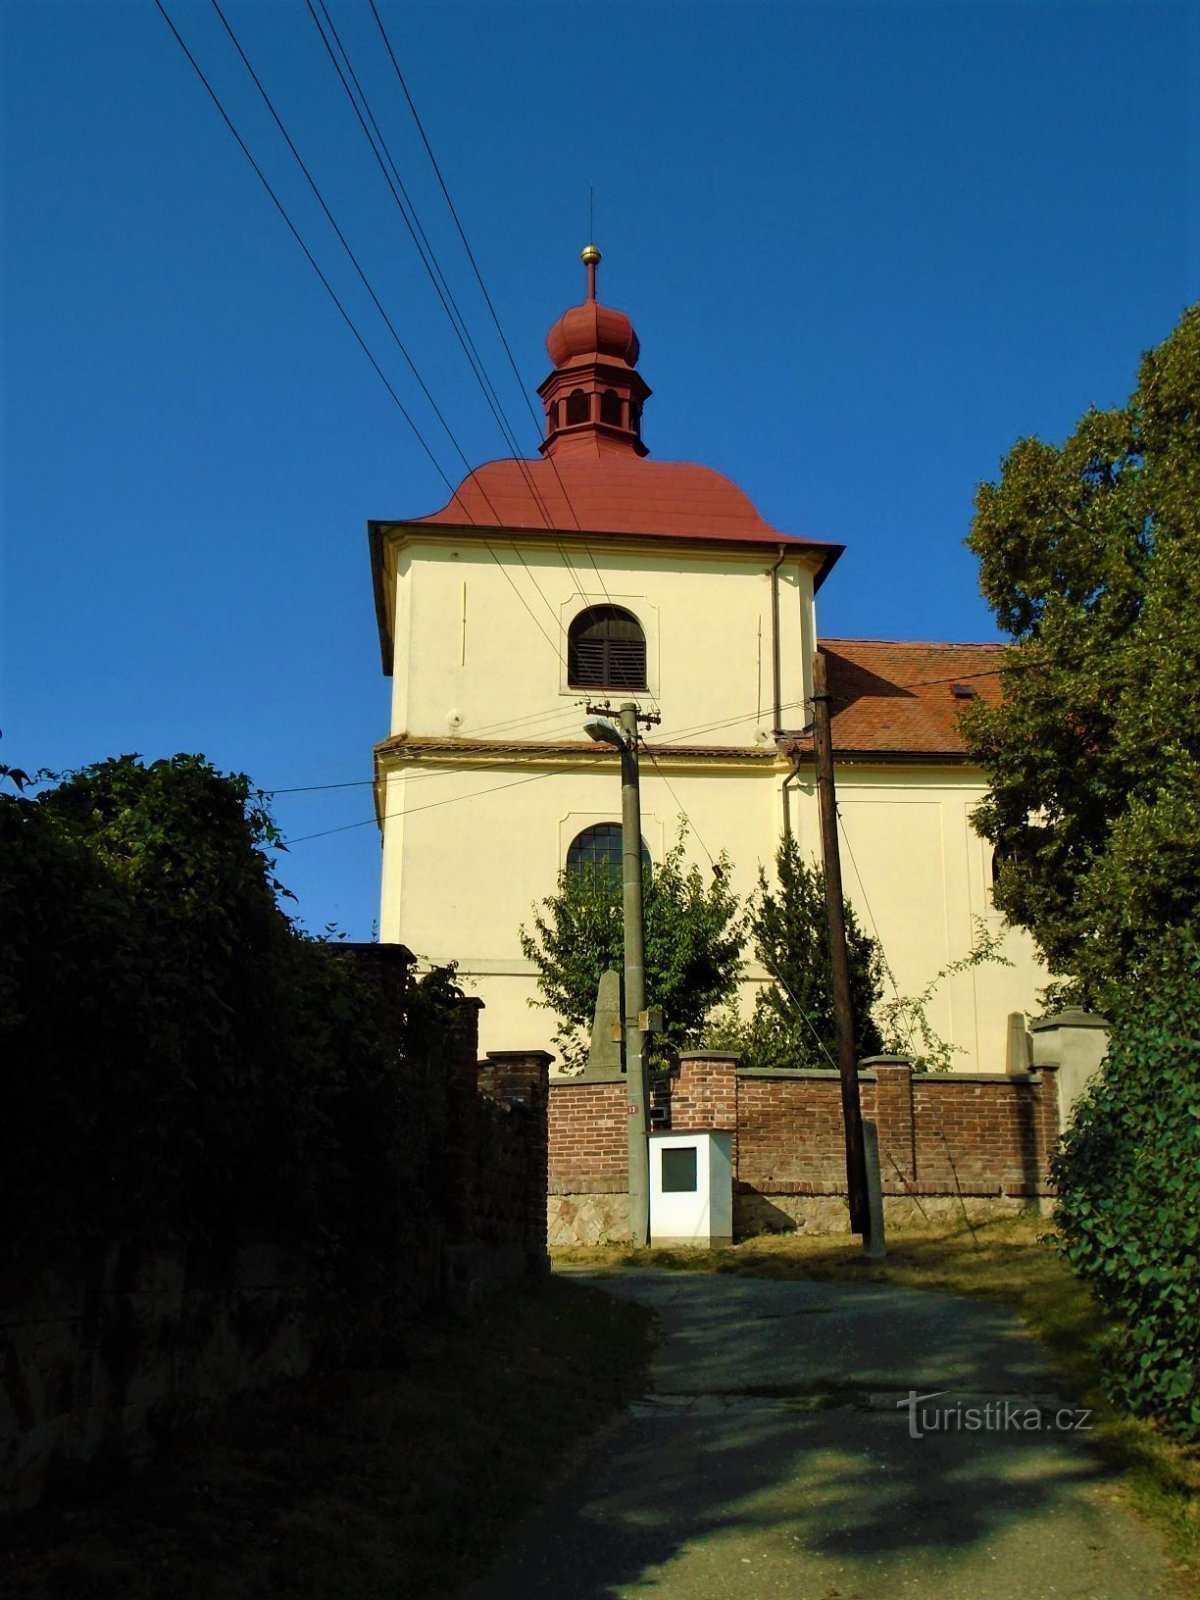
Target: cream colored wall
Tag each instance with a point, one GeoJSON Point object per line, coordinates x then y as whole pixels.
{"type": "Point", "coordinates": [917, 874]}
{"type": "Point", "coordinates": [470, 843]}
{"type": "Point", "coordinates": [478, 845]}
{"type": "Point", "coordinates": [480, 648]}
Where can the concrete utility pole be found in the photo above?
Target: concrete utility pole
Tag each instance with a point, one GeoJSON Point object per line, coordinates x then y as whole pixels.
{"type": "Point", "coordinates": [637, 1089]}
{"type": "Point", "coordinates": [856, 1170]}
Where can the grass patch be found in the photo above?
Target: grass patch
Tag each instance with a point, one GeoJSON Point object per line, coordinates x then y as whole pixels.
{"type": "Point", "coordinates": [398, 1480]}
{"type": "Point", "coordinates": [1006, 1261]}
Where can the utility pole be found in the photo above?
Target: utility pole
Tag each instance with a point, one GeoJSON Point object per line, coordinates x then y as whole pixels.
{"type": "Point", "coordinates": [856, 1169]}
{"type": "Point", "coordinates": [637, 1090]}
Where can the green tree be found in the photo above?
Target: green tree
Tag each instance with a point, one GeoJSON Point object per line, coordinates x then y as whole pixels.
{"type": "Point", "coordinates": [694, 933]}
{"type": "Point", "coordinates": [1090, 558]}
{"type": "Point", "coordinates": [792, 1024]}
{"type": "Point", "coordinates": [179, 1062]}
{"type": "Point", "coordinates": [1126, 1181]}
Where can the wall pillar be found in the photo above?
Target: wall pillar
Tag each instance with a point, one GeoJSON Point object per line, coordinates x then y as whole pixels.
{"type": "Point", "coordinates": [705, 1095]}
{"type": "Point", "coordinates": [1075, 1042]}
{"type": "Point", "coordinates": [894, 1118]}
{"type": "Point", "coordinates": [520, 1079]}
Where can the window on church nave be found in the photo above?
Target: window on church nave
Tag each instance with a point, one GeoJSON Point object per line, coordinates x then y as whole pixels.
{"type": "Point", "coordinates": [597, 850]}
{"type": "Point", "coordinates": [606, 649]}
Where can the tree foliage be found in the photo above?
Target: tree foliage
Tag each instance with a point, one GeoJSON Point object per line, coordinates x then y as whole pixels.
{"type": "Point", "coordinates": [1090, 558]}
{"type": "Point", "coordinates": [180, 1062]}
{"type": "Point", "coordinates": [1126, 1180]}
{"type": "Point", "coordinates": [694, 932]}
{"type": "Point", "coordinates": [792, 1024]}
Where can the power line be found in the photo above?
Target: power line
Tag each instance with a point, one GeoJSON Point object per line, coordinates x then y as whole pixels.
{"type": "Point", "coordinates": [458, 322]}
{"type": "Point", "coordinates": [408, 811]}
{"type": "Point", "coordinates": [428, 256]}
{"type": "Point", "coordinates": [366, 783]}
{"type": "Point", "coordinates": [294, 231]}
{"type": "Point", "coordinates": [679, 803]}
{"type": "Point", "coordinates": [887, 966]}
{"type": "Point", "coordinates": [482, 285]}
{"type": "Point", "coordinates": [400, 345]}
{"type": "Point", "coordinates": [548, 718]}
{"type": "Point", "coordinates": [777, 975]}
{"type": "Point", "coordinates": [345, 315]}
{"type": "Point", "coordinates": [461, 453]}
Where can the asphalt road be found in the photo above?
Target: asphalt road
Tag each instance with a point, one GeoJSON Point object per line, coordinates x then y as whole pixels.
{"type": "Point", "coordinates": [778, 1452]}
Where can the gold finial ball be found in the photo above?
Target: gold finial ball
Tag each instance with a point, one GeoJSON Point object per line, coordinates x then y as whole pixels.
{"type": "Point", "coordinates": [589, 254]}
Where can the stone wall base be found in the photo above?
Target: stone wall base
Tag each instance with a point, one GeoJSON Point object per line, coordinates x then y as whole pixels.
{"type": "Point", "coordinates": [755, 1214]}
{"type": "Point", "coordinates": [593, 1219]}
{"type": "Point", "coordinates": [587, 1219]}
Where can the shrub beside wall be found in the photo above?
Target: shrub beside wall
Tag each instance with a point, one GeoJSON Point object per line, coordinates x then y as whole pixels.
{"type": "Point", "coordinates": [1128, 1178]}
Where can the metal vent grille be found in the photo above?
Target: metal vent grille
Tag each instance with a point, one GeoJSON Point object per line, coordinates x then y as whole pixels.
{"type": "Point", "coordinates": [606, 649]}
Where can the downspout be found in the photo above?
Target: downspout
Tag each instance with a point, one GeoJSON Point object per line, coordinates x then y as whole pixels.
{"type": "Point", "coordinates": [792, 777]}
{"type": "Point", "coordinates": [777, 688]}
{"type": "Point", "coordinates": [776, 677]}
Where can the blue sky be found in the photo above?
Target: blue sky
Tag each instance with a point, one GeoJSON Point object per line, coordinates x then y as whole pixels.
{"type": "Point", "coordinates": [866, 247]}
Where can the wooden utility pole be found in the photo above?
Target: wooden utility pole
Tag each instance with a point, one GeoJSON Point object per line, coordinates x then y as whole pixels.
{"type": "Point", "coordinates": [636, 1084]}
{"type": "Point", "coordinates": [856, 1169]}
{"type": "Point", "coordinates": [637, 1088]}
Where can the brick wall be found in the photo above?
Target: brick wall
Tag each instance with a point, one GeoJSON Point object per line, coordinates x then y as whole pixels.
{"type": "Point", "coordinates": [589, 1138]}
{"type": "Point", "coordinates": [946, 1140]}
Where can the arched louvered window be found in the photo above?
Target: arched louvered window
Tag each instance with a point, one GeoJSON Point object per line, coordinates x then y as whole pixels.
{"type": "Point", "coordinates": [577, 407]}
{"type": "Point", "coordinates": [606, 649]}
{"type": "Point", "coordinates": [597, 850]}
{"type": "Point", "coordinates": [610, 407]}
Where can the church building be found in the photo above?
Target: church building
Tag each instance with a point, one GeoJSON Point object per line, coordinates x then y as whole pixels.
{"type": "Point", "coordinates": [595, 573]}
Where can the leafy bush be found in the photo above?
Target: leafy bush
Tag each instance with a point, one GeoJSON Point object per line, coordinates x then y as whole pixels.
{"type": "Point", "coordinates": [792, 1024]}
{"type": "Point", "coordinates": [1128, 1179]}
{"type": "Point", "coordinates": [181, 1064]}
{"type": "Point", "coordinates": [692, 950]}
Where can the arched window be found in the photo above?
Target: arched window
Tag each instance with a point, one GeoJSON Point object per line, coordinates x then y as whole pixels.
{"type": "Point", "coordinates": [610, 407]}
{"type": "Point", "coordinates": [606, 649]}
{"type": "Point", "coordinates": [598, 850]}
{"type": "Point", "coordinates": [577, 407]}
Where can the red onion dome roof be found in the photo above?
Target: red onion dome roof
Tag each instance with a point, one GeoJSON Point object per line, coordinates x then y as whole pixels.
{"type": "Point", "coordinates": [589, 331]}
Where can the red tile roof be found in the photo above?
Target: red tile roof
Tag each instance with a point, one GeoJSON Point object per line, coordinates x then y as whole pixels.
{"type": "Point", "coordinates": [893, 697]}
{"type": "Point", "coordinates": [594, 489]}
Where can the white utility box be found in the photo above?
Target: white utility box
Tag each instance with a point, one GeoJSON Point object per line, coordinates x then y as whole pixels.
{"type": "Point", "coordinates": [691, 1188]}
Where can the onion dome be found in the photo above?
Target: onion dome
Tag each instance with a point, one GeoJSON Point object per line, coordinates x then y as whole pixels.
{"type": "Point", "coordinates": [592, 332]}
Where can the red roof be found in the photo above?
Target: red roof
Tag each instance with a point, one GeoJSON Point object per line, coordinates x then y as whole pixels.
{"type": "Point", "coordinates": [591, 489]}
{"type": "Point", "coordinates": [898, 698]}
{"type": "Point", "coordinates": [590, 331]}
